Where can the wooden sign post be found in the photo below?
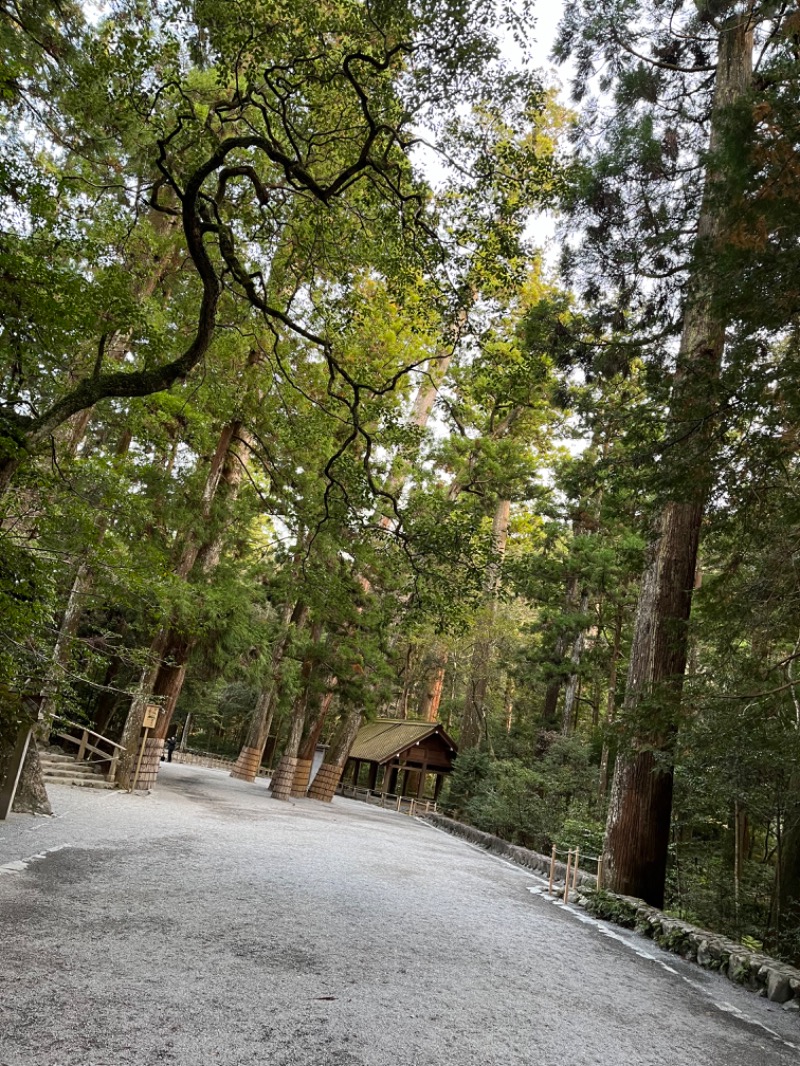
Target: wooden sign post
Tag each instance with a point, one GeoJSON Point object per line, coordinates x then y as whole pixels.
{"type": "Point", "coordinates": [148, 723]}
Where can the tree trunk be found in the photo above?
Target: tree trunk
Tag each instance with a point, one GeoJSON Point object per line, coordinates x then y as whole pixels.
{"type": "Point", "coordinates": [252, 752]}
{"type": "Point", "coordinates": [314, 728]}
{"type": "Point", "coordinates": [324, 784]}
{"type": "Point", "coordinates": [474, 717]}
{"type": "Point", "coordinates": [571, 690]}
{"type": "Point", "coordinates": [508, 704]}
{"type": "Point", "coordinates": [283, 779]}
{"type": "Point", "coordinates": [637, 831]}
{"type": "Point", "coordinates": [428, 707]}
{"type": "Point", "coordinates": [169, 650]}
{"type": "Point", "coordinates": [611, 703]}
{"type": "Point", "coordinates": [788, 889]}
{"type": "Point", "coordinates": [553, 690]}
{"type": "Point", "coordinates": [73, 612]}
{"type": "Point", "coordinates": [31, 797]}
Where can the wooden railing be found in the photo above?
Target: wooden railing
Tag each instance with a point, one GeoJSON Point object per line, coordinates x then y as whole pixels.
{"type": "Point", "coordinates": [402, 804]}
{"type": "Point", "coordinates": [90, 751]}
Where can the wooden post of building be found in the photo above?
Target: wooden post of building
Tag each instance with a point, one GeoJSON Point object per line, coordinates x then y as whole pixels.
{"type": "Point", "coordinates": [566, 878]}
{"type": "Point", "coordinates": [423, 775]}
{"type": "Point", "coordinates": [552, 871]}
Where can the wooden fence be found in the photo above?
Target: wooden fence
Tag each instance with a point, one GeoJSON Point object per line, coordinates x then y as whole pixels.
{"type": "Point", "coordinates": [211, 761]}
{"type": "Point", "coordinates": [389, 802]}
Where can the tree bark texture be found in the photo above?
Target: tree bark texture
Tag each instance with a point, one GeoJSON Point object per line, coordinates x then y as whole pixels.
{"type": "Point", "coordinates": [283, 779]}
{"type": "Point", "coordinates": [788, 895]}
{"type": "Point", "coordinates": [252, 752]}
{"type": "Point", "coordinates": [70, 621]}
{"type": "Point", "coordinates": [474, 715]}
{"type": "Point", "coordinates": [31, 797]}
{"type": "Point", "coordinates": [428, 707]}
{"type": "Point", "coordinates": [637, 830]}
{"type": "Point", "coordinates": [324, 785]}
{"type": "Point", "coordinates": [169, 651]}
{"type": "Point", "coordinates": [611, 702]}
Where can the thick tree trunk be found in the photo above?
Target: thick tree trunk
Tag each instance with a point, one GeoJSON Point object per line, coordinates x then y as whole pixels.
{"type": "Point", "coordinates": [31, 797]}
{"type": "Point", "coordinates": [325, 783]}
{"type": "Point", "coordinates": [314, 728]}
{"type": "Point", "coordinates": [787, 916]}
{"type": "Point", "coordinates": [260, 723]}
{"type": "Point", "coordinates": [637, 831]}
{"type": "Point", "coordinates": [474, 716]}
{"type": "Point", "coordinates": [428, 707]}
{"type": "Point", "coordinates": [169, 651]}
{"type": "Point", "coordinates": [283, 780]}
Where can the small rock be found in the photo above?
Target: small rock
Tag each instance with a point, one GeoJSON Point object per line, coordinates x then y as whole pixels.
{"type": "Point", "coordinates": [704, 956]}
{"type": "Point", "coordinates": [778, 989]}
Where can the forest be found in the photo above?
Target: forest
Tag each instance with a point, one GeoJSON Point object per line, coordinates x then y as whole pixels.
{"type": "Point", "coordinates": [301, 426]}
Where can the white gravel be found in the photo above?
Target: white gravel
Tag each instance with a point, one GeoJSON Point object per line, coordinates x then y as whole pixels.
{"type": "Point", "coordinates": [207, 923]}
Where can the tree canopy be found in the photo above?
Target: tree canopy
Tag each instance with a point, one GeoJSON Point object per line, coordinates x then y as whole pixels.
{"type": "Point", "coordinates": [298, 427]}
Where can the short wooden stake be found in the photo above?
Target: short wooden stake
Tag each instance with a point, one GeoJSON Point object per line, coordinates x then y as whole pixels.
{"type": "Point", "coordinates": [566, 878]}
{"type": "Point", "coordinates": [600, 873]}
{"type": "Point", "coordinates": [552, 871]}
{"type": "Point", "coordinates": [575, 870]}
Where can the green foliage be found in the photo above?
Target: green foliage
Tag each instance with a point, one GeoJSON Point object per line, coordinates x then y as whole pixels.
{"type": "Point", "coordinates": [534, 805]}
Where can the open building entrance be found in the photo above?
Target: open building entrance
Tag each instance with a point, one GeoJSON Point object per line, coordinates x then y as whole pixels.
{"type": "Point", "coordinates": [400, 758]}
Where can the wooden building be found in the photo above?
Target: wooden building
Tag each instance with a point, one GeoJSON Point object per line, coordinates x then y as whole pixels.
{"type": "Point", "coordinates": [401, 758]}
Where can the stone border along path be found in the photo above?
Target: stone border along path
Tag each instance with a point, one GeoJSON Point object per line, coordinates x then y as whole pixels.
{"type": "Point", "coordinates": [760, 973]}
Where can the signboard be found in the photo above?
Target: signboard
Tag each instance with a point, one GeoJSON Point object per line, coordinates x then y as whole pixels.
{"type": "Point", "coordinates": [150, 716]}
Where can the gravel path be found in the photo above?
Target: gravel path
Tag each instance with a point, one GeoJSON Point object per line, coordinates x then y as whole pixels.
{"type": "Point", "coordinates": [207, 923]}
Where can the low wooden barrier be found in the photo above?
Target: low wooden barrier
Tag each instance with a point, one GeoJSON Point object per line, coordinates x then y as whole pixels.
{"type": "Point", "coordinates": [571, 871]}
{"type": "Point", "coordinates": [388, 801]}
{"type": "Point", "coordinates": [211, 761]}
{"type": "Point", "coordinates": [89, 750]}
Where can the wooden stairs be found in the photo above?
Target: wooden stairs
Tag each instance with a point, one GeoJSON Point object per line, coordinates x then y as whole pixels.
{"type": "Point", "coordinates": [60, 769]}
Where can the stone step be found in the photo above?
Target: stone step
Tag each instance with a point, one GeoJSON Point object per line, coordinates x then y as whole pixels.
{"type": "Point", "coordinates": [70, 771]}
{"type": "Point", "coordinates": [83, 782]}
{"type": "Point", "coordinates": [63, 770]}
{"type": "Point", "coordinates": [67, 763]}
